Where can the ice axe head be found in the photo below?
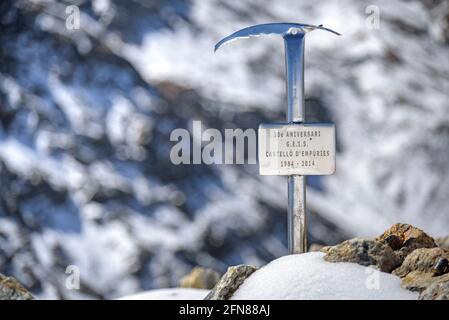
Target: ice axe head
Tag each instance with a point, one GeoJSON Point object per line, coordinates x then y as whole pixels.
{"type": "Point", "coordinates": [283, 29]}
{"type": "Point", "coordinates": [293, 34]}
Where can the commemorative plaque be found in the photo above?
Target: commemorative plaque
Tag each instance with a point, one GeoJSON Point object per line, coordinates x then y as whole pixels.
{"type": "Point", "coordinates": [296, 149]}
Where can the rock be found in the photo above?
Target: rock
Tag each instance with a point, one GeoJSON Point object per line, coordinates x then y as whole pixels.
{"type": "Point", "coordinates": [325, 249]}
{"type": "Point", "coordinates": [417, 281]}
{"type": "Point", "coordinates": [443, 242]}
{"type": "Point", "coordinates": [200, 278]}
{"type": "Point", "coordinates": [441, 266]}
{"type": "Point", "coordinates": [419, 269]}
{"type": "Point", "coordinates": [393, 241]}
{"type": "Point", "coordinates": [438, 290]}
{"type": "Point", "coordinates": [315, 247]}
{"type": "Point", "coordinates": [365, 253]}
{"type": "Point", "coordinates": [422, 260]}
{"type": "Point", "coordinates": [230, 282]}
{"type": "Point", "coordinates": [11, 289]}
{"type": "Point", "coordinates": [404, 238]}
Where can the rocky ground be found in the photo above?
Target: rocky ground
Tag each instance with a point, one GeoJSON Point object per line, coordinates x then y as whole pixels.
{"type": "Point", "coordinates": [10, 289]}
{"type": "Point", "coordinates": [420, 261]}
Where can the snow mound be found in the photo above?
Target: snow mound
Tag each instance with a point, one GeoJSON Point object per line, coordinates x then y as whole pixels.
{"type": "Point", "coordinates": [309, 277]}
{"type": "Point", "coordinates": [169, 294]}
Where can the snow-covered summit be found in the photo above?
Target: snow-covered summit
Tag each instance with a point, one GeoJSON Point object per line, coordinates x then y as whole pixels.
{"type": "Point", "coordinates": [309, 277]}
{"type": "Point", "coordinates": [303, 277]}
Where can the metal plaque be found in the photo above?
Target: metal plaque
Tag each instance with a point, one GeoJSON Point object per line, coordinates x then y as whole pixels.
{"type": "Point", "coordinates": [297, 149]}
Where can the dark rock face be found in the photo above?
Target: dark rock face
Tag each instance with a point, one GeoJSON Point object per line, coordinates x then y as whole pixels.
{"type": "Point", "coordinates": [230, 282]}
{"type": "Point", "coordinates": [365, 253]}
{"type": "Point", "coordinates": [386, 252]}
{"type": "Point", "coordinates": [404, 238]}
{"type": "Point", "coordinates": [10, 289]}
{"type": "Point", "coordinates": [425, 266]}
{"type": "Point", "coordinates": [425, 270]}
{"type": "Point", "coordinates": [422, 260]}
{"type": "Point", "coordinates": [405, 251]}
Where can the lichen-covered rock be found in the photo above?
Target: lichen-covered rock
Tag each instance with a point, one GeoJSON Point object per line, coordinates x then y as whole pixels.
{"type": "Point", "coordinates": [405, 238]}
{"type": "Point", "coordinates": [325, 249]}
{"type": "Point", "coordinates": [200, 278]}
{"type": "Point", "coordinates": [422, 260]}
{"type": "Point", "coordinates": [10, 289]}
{"type": "Point", "coordinates": [230, 282]}
{"type": "Point", "coordinates": [443, 242]}
{"type": "Point", "coordinates": [420, 268]}
{"type": "Point", "coordinates": [438, 290]}
{"type": "Point", "coordinates": [365, 253]}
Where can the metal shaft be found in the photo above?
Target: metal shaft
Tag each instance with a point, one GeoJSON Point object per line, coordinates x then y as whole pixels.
{"type": "Point", "coordinates": [297, 220]}
{"type": "Point", "coordinates": [294, 62]}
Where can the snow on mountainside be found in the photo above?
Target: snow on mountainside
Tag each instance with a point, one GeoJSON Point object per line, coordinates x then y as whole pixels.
{"type": "Point", "coordinates": [85, 119]}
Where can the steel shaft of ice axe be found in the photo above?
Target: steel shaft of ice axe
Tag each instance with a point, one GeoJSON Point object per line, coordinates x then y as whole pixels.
{"type": "Point", "coordinates": [294, 36]}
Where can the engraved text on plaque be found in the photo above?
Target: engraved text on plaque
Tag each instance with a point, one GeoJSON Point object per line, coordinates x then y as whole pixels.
{"type": "Point", "coordinates": [297, 149]}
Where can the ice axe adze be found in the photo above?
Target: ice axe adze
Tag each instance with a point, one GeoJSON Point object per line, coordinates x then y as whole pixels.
{"type": "Point", "coordinates": [293, 34]}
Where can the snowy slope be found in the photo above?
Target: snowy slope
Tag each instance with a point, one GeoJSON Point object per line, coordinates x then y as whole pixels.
{"type": "Point", "coordinates": [85, 119]}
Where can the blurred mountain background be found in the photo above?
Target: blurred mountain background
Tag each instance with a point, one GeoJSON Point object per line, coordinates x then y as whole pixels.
{"type": "Point", "coordinates": [86, 116]}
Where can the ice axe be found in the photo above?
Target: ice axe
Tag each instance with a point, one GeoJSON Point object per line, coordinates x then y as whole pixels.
{"type": "Point", "coordinates": [293, 34]}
